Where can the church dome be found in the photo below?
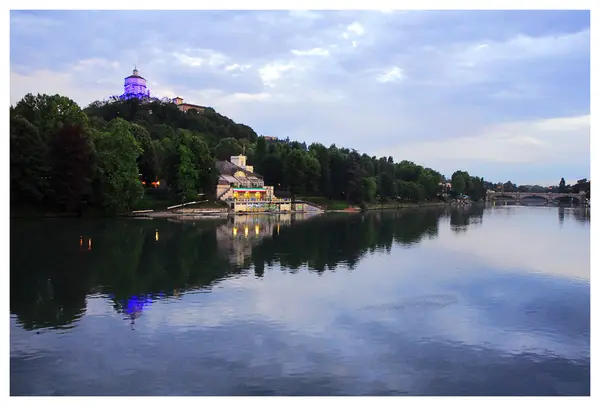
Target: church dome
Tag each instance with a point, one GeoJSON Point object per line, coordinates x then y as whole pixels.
{"type": "Point", "coordinates": [135, 86]}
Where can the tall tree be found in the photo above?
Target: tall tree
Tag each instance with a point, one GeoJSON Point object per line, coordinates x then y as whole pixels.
{"type": "Point", "coordinates": [117, 183]}
{"type": "Point", "coordinates": [28, 166]}
{"type": "Point", "coordinates": [561, 185]}
{"type": "Point", "coordinates": [71, 167]}
{"type": "Point", "coordinates": [147, 160]}
{"type": "Point", "coordinates": [459, 183]}
{"type": "Point", "coordinates": [294, 171]}
{"type": "Point", "coordinates": [48, 113]}
{"type": "Point", "coordinates": [226, 148]}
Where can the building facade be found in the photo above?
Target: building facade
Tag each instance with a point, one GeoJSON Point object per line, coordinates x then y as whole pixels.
{"type": "Point", "coordinates": [245, 191]}
{"type": "Point", "coordinates": [187, 106]}
{"type": "Point", "coordinates": [135, 87]}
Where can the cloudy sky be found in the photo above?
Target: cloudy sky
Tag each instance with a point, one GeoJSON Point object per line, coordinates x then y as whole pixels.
{"type": "Point", "coordinates": [502, 94]}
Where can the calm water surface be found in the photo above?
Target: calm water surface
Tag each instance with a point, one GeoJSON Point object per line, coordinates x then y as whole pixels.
{"type": "Point", "coordinates": [477, 301]}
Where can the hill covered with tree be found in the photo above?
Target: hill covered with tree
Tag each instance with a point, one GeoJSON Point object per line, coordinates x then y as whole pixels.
{"type": "Point", "coordinates": [64, 158]}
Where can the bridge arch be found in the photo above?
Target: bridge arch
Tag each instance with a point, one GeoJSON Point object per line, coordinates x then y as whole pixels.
{"type": "Point", "coordinates": [549, 197]}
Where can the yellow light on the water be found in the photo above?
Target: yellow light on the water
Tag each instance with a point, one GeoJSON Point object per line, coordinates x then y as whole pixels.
{"type": "Point", "coordinates": [246, 231]}
{"type": "Point", "coordinates": [80, 241]}
{"type": "Point", "coordinates": [89, 244]}
{"type": "Point", "coordinates": [256, 229]}
{"type": "Point", "coordinates": [156, 235]}
{"type": "Point", "coordinates": [277, 228]}
{"type": "Point", "coordinates": [234, 231]}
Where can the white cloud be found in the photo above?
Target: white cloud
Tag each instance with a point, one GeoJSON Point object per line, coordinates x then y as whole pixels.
{"type": "Point", "coordinates": [245, 97]}
{"type": "Point", "coordinates": [236, 67]}
{"type": "Point", "coordinates": [353, 30]}
{"type": "Point", "coordinates": [525, 47]}
{"type": "Point", "coordinates": [393, 74]}
{"type": "Point", "coordinates": [200, 58]}
{"type": "Point", "coordinates": [311, 52]}
{"type": "Point", "coordinates": [272, 72]}
{"type": "Point", "coordinates": [550, 141]}
{"type": "Point", "coordinates": [479, 61]}
{"type": "Point", "coordinates": [356, 28]}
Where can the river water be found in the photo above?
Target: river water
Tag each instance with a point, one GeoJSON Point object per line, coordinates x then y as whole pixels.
{"type": "Point", "coordinates": [465, 301]}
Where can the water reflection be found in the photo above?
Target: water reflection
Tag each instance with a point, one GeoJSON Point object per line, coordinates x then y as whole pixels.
{"type": "Point", "coordinates": [53, 284]}
{"type": "Point", "coordinates": [133, 306]}
{"type": "Point", "coordinates": [291, 304]}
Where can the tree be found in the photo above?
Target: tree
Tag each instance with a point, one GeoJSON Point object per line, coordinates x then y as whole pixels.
{"type": "Point", "coordinates": [202, 161]}
{"type": "Point", "coordinates": [71, 167]}
{"type": "Point", "coordinates": [186, 174]}
{"type": "Point", "coordinates": [312, 173]}
{"type": "Point", "coordinates": [260, 151]}
{"type": "Point", "coordinates": [561, 185]}
{"type": "Point", "coordinates": [386, 186]}
{"type": "Point", "coordinates": [147, 160]}
{"type": "Point", "coordinates": [117, 181]}
{"type": "Point", "coordinates": [429, 181]}
{"type": "Point", "coordinates": [226, 148]}
{"type": "Point", "coordinates": [322, 155]}
{"type": "Point", "coordinates": [28, 166]}
{"type": "Point", "coordinates": [48, 113]}
{"type": "Point", "coordinates": [294, 172]}
{"type": "Point", "coordinates": [458, 183]}
{"type": "Point", "coordinates": [272, 170]}
{"type": "Point", "coordinates": [368, 189]}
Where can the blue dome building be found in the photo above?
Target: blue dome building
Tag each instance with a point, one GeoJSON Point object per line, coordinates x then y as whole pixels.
{"type": "Point", "coordinates": [135, 87]}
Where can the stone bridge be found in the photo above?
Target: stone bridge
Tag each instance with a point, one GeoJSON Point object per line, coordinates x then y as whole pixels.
{"type": "Point", "coordinates": [550, 197]}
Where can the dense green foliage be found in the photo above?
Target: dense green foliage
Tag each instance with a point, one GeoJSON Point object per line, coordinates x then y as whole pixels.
{"type": "Point", "coordinates": [66, 158]}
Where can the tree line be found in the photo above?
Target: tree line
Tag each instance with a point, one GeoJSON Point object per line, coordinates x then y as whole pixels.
{"type": "Point", "coordinates": [582, 185]}
{"type": "Point", "coordinates": [70, 159]}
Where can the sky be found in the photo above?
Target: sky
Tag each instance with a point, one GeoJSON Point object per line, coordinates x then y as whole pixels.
{"type": "Point", "coordinates": [502, 94]}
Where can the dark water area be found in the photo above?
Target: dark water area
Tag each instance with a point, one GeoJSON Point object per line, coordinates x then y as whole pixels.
{"type": "Point", "coordinates": [464, 301]}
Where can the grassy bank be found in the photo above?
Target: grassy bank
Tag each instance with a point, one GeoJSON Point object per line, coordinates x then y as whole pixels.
{"type": "Point", "coordinates": [402, 205]}
{"type": "Point", "coordinates": [343, 205]}
{"type": "Point", "coordinates": [325, 203]}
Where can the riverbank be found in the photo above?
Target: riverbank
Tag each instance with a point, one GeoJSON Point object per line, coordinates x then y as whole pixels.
{"type": "Point", "coordinates": [212, 211]}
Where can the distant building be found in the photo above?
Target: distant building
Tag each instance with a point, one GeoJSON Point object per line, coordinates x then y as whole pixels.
{"type": "Point", "coordinates": [187, 106]}
{"type": "Point", "coordinates": [135, 87]}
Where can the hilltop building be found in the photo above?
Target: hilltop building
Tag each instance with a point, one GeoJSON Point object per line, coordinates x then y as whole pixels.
{"type": "Point", "coordinates": [135, 87]}
{"type": "Point", "coordinates": [187, 106]}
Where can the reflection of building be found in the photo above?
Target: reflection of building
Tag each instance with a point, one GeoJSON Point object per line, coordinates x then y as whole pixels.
{"type": "Point", "coordinates": [244, 190]}
{"type": "Point", "coordinates": [237, 238]}
{"type": "Point", "coordinates": [134, 306]}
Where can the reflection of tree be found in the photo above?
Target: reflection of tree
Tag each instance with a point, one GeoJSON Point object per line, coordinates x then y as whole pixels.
{"type": "Point", "coordinates": [48, 274]}
{"type": "Point", "coordinates": [462, 217]}
{"type": "Point", "coordinates": [561, 214]}
{"type": "Point", "coordinates": [134, 262]}
{"type": "Point", "coordinates": [325, 242]}
{"type": "Point", "coordinates": [582, 214]}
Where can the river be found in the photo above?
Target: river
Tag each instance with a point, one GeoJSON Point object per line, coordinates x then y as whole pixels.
{"type": "Point", "coordinates": [465, 301]}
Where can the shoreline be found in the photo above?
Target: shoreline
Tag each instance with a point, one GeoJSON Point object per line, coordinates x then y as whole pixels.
{"type": "Point", "coordinates": [211, 214]}
{"type": "Point", "coordinates": [214, 213]}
